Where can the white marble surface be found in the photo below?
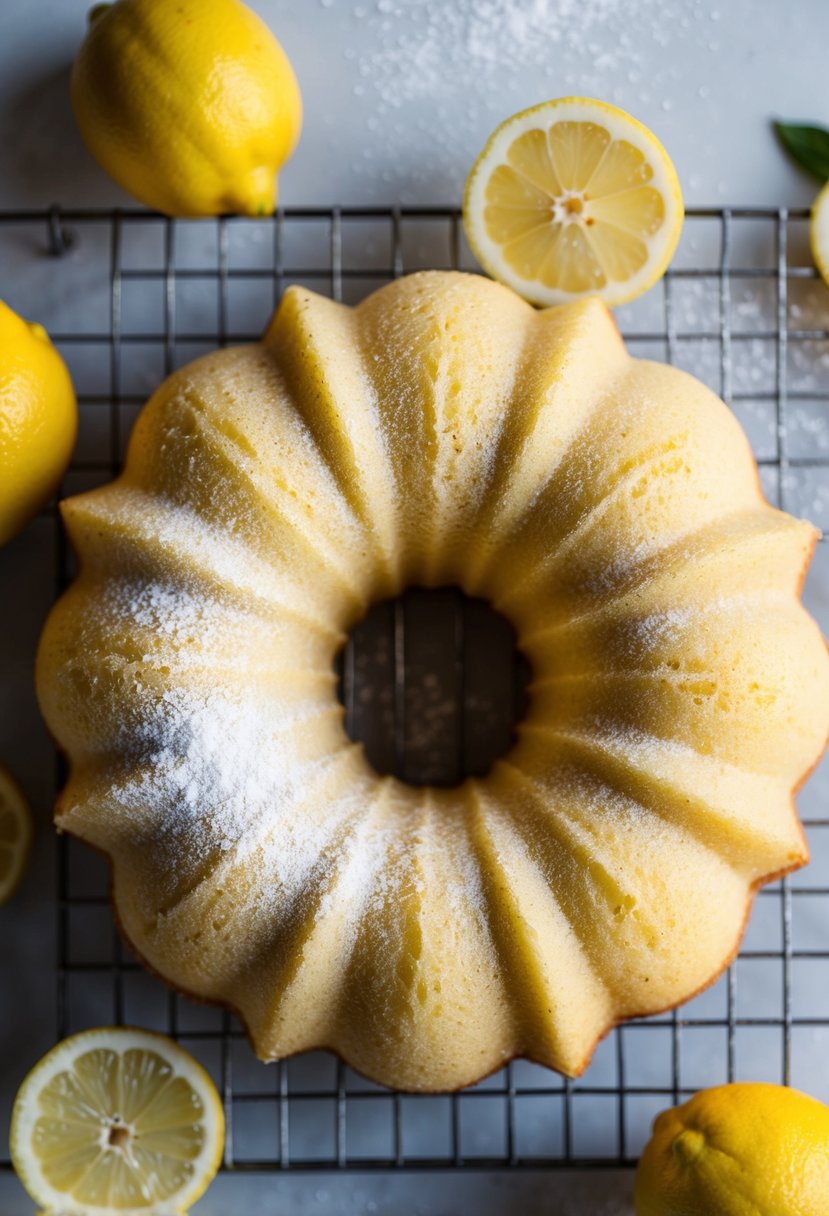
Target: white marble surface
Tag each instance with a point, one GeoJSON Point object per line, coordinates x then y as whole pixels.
{"type": "Point", "coordinates": [399, 97]}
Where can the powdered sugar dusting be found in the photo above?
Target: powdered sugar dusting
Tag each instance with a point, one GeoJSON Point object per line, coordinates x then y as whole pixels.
{"type": "Point", "coordinates": [171, 614]}
{"type": "Point", "coordinates": [211, 554]}
{"type": "Point", "coordinates": [214, 765]}
{"type": "Point", "coordinates": [223, 780]}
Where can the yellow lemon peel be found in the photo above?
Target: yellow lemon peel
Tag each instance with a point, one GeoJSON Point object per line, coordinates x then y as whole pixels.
{"type": "Point", "coordinates": [38, 420]}
{"type": "Point", "coordinates": [191, 107]}
{"type": "Point", "coordinates": [746, 1149]}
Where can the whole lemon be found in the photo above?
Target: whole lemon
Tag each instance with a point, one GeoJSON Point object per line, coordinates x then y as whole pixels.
{"type": "Point", "coordinates": [737, 1150]}
{"type": "Point", "coordinates": [38, 420]}
{"type": "Point", "coordinates": [190, 105]}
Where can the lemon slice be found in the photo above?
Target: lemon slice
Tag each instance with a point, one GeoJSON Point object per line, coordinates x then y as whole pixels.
{"type": "Point", "coordinates": [15, 834]}
{"type": "Point", "coordinates": [117, 1121]}
{"type": "Point", "coordinates": [819, 233]}
{"type": "Point", "coordinates": [573, 198]}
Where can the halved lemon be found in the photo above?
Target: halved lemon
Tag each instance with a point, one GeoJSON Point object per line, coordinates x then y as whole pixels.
{"type": "Point", "coordinates": [15, 834]}
{"type": "Point", "coordinates": [117, 1122]}
{"type": "Point", "coordinates": [819, 233]}
{"type": "Point", "coordinates": [572, 198]}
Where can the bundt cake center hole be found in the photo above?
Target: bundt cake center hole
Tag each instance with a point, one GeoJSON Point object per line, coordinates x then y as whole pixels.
{"type": "Point", "coordinates": [433, 685]}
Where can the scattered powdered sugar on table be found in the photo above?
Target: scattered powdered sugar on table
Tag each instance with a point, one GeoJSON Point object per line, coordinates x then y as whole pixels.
{"type": "Point", "coordinates": [426, 43]}
{"type": "Point", "coordinates": [413, 62]}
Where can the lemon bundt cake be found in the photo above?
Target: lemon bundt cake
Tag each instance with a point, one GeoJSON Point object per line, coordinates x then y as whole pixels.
{"type": "Point", "coordinates": [443, 432]}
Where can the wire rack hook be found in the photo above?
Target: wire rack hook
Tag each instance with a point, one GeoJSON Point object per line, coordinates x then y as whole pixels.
{"type": "Point", "coordinates": [61, 239]}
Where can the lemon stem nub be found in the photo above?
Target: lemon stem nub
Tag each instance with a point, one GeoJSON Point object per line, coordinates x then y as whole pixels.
{"type": "Point", "coordinates": [688, 1146]}
{"type": "Point", "coordinates": [97, 11]}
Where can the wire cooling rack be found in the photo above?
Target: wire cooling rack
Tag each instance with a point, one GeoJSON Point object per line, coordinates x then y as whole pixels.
{"type": "Point", "coordinates": [128, 296]}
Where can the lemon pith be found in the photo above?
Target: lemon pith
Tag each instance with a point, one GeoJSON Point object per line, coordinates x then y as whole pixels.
{"type": "Point", "coordinates": [38, 420]}
{"type": "Point", "coordinates": [117, 1120]}
{"type": "Point", "coordinates": [15, 835]}
{"type": "Point", "coordinates": [191, 107]}
{"type": "Point", "coordinates": [745, 1149]}
{"type": "Point", "coordinates": [573, 198]}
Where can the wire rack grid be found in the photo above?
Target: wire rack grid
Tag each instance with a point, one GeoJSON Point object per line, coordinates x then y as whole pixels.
{"type": "Point", "coordinates": [738, 309]}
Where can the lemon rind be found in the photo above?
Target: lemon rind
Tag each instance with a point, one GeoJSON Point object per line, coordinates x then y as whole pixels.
{"type": "Point", "coordinates": [22, 846]}
{"type": "Point", "coordinates": [819, 233]}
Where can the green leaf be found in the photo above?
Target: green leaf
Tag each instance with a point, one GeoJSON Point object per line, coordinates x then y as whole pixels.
{"type": "Point", "coordinates": [809, 146]}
